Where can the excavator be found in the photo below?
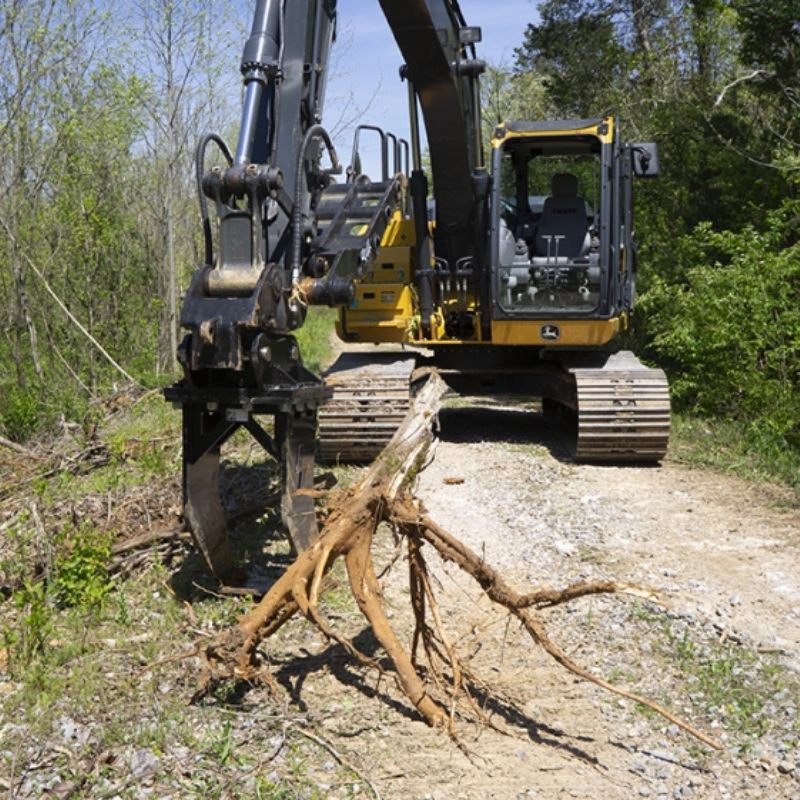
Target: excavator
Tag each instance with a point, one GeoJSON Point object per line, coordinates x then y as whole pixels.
{"type": "Point", "coordinates": [511, 274]}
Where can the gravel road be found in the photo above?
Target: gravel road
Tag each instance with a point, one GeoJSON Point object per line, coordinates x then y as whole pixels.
{"type": "Point", "coordinates": [723, 556]}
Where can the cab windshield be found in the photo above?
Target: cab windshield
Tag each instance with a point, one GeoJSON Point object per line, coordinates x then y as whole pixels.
{"type": "Point", "coordinates": [549, 242]}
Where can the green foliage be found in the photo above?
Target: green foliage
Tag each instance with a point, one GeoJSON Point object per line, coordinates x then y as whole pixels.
{"type": "Point", "coordinates": [571, 73]}
{"type": "Point", "coordinates": [34, 623]}
{"type": "Point", "coordinates": [314, 338]}
{"type": "Point", "coordinates": [727, 325]}
{"type": "Point", "coordinates": [508, 96]}
{"type": "Point", "coordinates": [20, 412]}
{"type": "Point", "coordinates": [81, 576]}
{"type": "Point", "coordinates": [769, 34]}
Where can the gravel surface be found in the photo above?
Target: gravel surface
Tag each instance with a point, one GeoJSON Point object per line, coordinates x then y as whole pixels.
{"type": "Point", "coordinates": [721, 648]}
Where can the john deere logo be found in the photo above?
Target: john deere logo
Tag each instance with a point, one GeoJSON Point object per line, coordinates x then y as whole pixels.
{"type": "Point", "coordinates": [551, 332]}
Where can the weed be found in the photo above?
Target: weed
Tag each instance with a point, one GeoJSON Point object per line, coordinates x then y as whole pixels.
{"type": "Point", "coordinates": [621, 676]}
{"type": "Point", "coordinates": [645, 614]}
{"type": "Point", "coordinates": [23, 548]}
{"type": "Point", "coordinates": [267, 790]}
{"type": "Point", "coordinates": [729, 682]}
{"type": "Point", "coordinates": [34, 626]}
{"type": "Point", "coordinates": [589, 555]}
{"type": "Point", "coordinates": [222, 747]}
{"type": "Point", "coordinates": [81, 578]}
{"type": "Point", "coordinates": [22, 412]}
{"type": "Point", "coordinates": [123, 614]}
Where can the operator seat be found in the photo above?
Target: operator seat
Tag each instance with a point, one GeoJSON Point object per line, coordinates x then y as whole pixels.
{"type": "Point", "coordinates": [563, 216]}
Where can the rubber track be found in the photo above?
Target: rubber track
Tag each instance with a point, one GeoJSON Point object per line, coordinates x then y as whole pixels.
{"type": "Point", "coordinates": [623, 414]}
{"type": "Point", "coordinates": [369, 402]}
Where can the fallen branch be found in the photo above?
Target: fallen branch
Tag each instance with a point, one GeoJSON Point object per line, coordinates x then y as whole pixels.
{"type": "Point", "coordinates": [147, 540]}
{"type": "Point", "coordinates": [18, 448]}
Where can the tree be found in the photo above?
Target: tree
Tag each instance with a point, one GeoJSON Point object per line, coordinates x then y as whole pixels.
{"type": "Point", "coordinates": [46, 51]}
{"type": "Point", "coordinates": [179, 43]}
{"type": "Point", "coordinates": [507, 95]}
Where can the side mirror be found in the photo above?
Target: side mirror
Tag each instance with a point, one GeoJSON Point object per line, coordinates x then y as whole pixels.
{"type": "Point", "coordinates": [644, 157]}
{"type": "Point", "coordinates": [469, 35]}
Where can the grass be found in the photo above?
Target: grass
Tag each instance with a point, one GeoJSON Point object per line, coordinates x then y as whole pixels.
{"type": "Point", "coordinates": [106, 671]}
{"type": "Point", "coordinates": [728, 446]}
{"type": "Point", "coordinates": [314, 337]}
{"type": "Point", "coordinates": [80, 647]}
{"type": "Point", "coordinates": [724, 681]}
{"type": "Point", "coordinates": [339, 598]}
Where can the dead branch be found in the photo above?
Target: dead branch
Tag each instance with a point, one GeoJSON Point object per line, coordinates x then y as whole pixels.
{"type": "Point", "coordinates": [756, 73]}
{"type": "Point", "coordinates": [146, 540]}
{"type": "Point", "coordinates": [17, 448]}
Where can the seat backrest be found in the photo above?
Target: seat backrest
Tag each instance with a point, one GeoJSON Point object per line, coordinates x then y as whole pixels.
{"type": "Point", "coordinates": [564, 214]}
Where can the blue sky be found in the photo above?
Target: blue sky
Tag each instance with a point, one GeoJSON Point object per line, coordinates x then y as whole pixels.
{"type": "Point", "coordinates": [365, 63]}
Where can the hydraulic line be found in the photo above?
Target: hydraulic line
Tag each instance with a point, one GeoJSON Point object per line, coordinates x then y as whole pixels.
{"type": "Point", "coordinates": [297, 209]}
{"type": "Point", "coordinates": [200, 158]}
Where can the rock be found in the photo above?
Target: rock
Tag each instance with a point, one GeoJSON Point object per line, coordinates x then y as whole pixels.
{"type": "Point", "coordinates": [786, 767]}
{"type": "Point", "coordinates": [143, 764]}
{"type": "Point", "coordinates": [663, 773]}
{"type": "Point", "coordinates": [73, 732]}
{"type": "Point", "coordinates": [565, 548]}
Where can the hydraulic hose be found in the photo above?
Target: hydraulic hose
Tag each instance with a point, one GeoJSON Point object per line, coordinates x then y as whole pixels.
{"type": "Point", "coordinates": [200, 160]}
{"type": "Point", "coordinates": [297, 210]}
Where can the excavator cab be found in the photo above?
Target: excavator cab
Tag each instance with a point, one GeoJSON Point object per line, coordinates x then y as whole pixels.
{"type": "Point", "coordinates": [551, 203]}
{"type": "Point", "coordinates": [562, 244]}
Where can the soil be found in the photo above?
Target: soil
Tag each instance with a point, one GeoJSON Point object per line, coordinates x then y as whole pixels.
{"type": "Point", "coordinates": [722, 554]}
{"type": "Point", "coordinates": [721, 647]}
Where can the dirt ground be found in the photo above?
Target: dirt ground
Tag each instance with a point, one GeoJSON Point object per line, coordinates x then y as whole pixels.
{"type": "Point", "coordinates": [721, 552]}
{"type": "Point", "coordinates": [721, 648]}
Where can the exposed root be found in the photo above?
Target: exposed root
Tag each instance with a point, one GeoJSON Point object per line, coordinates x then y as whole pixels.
{"type": "Point", "coordinates": [348, 532]}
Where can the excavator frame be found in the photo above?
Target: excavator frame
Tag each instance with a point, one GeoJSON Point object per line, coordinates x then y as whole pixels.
{"type": "Point", "coordinates": [285, 235]}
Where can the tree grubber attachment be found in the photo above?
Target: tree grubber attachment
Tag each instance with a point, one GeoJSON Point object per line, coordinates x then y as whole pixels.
{"type": "Point", "coordinates": [290, 395]}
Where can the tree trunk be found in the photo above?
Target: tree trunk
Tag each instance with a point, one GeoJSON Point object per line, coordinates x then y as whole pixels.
{"type": "Point", "coordinates": [24, 311]}
{"type": "Point", "coordinates": [640, 12]}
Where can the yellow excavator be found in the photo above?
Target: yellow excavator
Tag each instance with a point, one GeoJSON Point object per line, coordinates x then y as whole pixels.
{"type": "Point", "coordinates": [512, 277]}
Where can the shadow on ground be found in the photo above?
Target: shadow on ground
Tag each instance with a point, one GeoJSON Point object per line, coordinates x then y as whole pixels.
{"type": "Point", "coordinates": [258, 539]}
{"type": "Point", "coordinates": [507, 421]}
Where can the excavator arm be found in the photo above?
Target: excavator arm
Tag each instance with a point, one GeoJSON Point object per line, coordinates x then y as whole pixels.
{"type": "Point", "coordinates": [283, 235]}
